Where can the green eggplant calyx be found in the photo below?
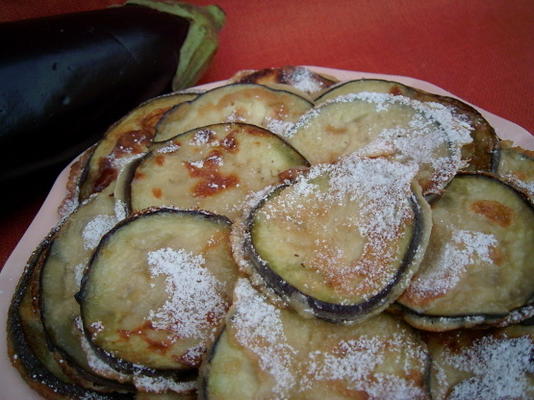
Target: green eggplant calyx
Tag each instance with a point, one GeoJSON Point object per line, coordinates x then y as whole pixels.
{"type": "Point", "coordinates": [201, 42]}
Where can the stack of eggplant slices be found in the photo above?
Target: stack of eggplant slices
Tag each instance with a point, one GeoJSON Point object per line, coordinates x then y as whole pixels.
{"type": "Point", "coordinates": [287, 236]}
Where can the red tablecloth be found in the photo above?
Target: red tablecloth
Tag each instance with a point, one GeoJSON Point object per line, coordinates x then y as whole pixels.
{"type": "Point", "coordinates": [482, 51]}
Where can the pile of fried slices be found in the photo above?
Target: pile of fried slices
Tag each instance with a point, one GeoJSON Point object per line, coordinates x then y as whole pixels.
{"type": "Point", "coordinates": [287, 236]}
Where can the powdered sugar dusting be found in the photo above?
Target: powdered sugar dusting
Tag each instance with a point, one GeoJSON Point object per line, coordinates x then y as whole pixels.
{"type": "Point", "coordinates": [259, 328]}
{"type": "Point", "coordinates": [433, 138]}
{"type": "Point", "coordinates": [202, 137]}
{"type": "Point", "coordinates": [120, 162]}
{"type": "Point", "coordinates": [355, 362]}
{"type": "Point", "coordinates": [169, 148]}
{"type": "Point", "coordinates": [500, 369]}
{"type": "Point", "coordinates": [121, 210]}
{"type": "Point", "coordinates": [160, 384]}
{"type": "Point", "coordinates": [464, 248]}
{"type": "Point", "coordinates": [521, 184]}
{"type": "Point", "coordinates": [194, 294]}
{"type": "Point", "coordinates": [377, 191]}
{"type": "Point", "coordinates": [277, 126]}
{"type": "Point", "coordinates": [95, 229]}
{"type": "Point", "coordinates": [78, 274]}
{"type": "Point", "coordinates": [303, 79]}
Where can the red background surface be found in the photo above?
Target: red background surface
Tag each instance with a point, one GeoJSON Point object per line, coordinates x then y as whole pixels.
{"type": "Point", "coordinates": [480, 50]}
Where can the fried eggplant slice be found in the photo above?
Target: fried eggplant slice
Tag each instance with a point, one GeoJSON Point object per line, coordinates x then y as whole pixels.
{"type": "Point", "coordinates": [478, 153]}
{"type": "Point", "coordinates": [515, 165]}
{"type": "Point", "coordinates": [27, 342]}
{"type": "Point", "coordinates": [482, 364]}
{"type": "Point", "coordinates": [61, 274]}
{"type": "Point", "coordinates": [273, 109]}
{"type": "Point", "coordinates": [156, 291]}
{"type": "Point", "coordinates": [300, 78]}
{"type": "Point", "coordinates": [341, 243]}
{"type": "Point", "coordinates": [126, 139]}
{"type": "Point", "coordinates": [265, 352]}
{"type": "Point", "coordinates": [377, 124]}
{"type": "Point", "coordinates": [213, 168]}
{"type": "Point", "coordinates": [478, 268]}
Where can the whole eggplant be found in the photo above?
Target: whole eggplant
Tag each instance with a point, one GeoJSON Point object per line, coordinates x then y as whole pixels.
{"type": "Point", "coordinates": [65, 79]}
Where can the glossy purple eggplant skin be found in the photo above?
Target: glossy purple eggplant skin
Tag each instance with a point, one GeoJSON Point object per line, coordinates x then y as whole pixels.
{"type": "Point", "coordinates": [65, 79]}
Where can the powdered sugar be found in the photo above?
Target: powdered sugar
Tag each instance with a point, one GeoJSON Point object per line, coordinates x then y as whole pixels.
{"type": "Point", "coordinates": [169, 148]}
{"type": "Point", "coordinates": [464, 248]}
{"type": "Point", "coordinates": [202, 137]}
{"type": "Point", "coordinates": [303, 79]}
{"type": "Point", "coordinates": [521, 184]}
{"type": "Point", "coordinates": [499, 368]}
{"type": "Point", "coordinates": [355, 361]}
{"type": "Point", "coordinates": [194, 294]}
{"type": "Point", "coordinates": [259, 328]}
{"type": "Point", "coordinates": [121, 161]}
{"type": "Point", "coordinates": [277, 126]}
{"type": "Point", "coordinates": [121, 210]}
{"type": "Point", "coordinates": [95, 229]}
{"type": "Point", "coordinates": [160, 384]}
{"type": "Point", "coordinates": [78, 271]}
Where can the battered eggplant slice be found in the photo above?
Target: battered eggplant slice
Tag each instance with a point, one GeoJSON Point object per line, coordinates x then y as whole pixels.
{"type": "Point", "coordinates": [515, 165]}
{"type": "Point", "coordinates": [273, 109]}
{"type": "Point", "coordinates": [268, 353]}
{"type": "Point", "coordinates": [482, 364]}
{"type": "Point", "coordinates": [60, 278]}
{"type": "Point", "coordinates": [293, 77]}
{"type": "Point", "coordinates": [478, 268]}
{"type": "Point", "coordinates": [126, 139]}
{"type": "Point", "coordinates": [213, 168]}
{"type": "Point", "coordinates": [341, 243]}
{"type": "Point", "coordinates": [378, 124]}
{"type": "Point", "coordinates": [478, 153]}
{"type": "Point", "coordinates": [27, 342]}
{"type": "Point", "coordinates": [155, 293]}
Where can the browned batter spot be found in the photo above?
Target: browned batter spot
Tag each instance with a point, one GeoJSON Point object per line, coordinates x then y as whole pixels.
{"type": "Point", "coordinates": [139, 175]}
{"type": "Point", "coordinates": [246, 94]}
{"type": "Point", "coordinates": [211, 180]}
{"type": "Point", "coordinates": [335, 131]}
{"type": "Point", "coordinates": [157, 192]}
{"type": "Point", "coordinates": [131, 142]}
{"type": "Point", "coordinates": [256, 131]}
{"type": "Point", "coordinates": [107, 173]}
{"type": "Point", "coordinates": [494, 211]}
{"type": "Point", "coordinates": [395, 91]}
{"type": "Point", "coordinates": [160, 159]}
{"type": "Point", "coordinates": [291, 173]}
{"type": "Point", "coordinates": [520, 175]}
{"type": "Point", "coordinates": [230, 143]}
{"type": "Point", "coordinates": [149, 122]}
{"type": "Point", "coordinates": [144, 332]}
{"type": "Point", "coordinates": [496, 255]}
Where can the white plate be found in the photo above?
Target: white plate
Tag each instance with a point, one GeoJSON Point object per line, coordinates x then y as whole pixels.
{"type": "Point", "coordinates": [11, 384]}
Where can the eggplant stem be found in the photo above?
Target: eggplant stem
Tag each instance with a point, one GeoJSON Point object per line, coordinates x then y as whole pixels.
{"type": "Point", "coordinates": [201, 42]}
